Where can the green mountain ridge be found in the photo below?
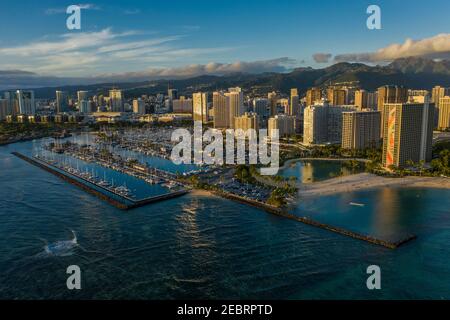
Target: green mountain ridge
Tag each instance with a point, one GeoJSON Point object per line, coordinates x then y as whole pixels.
{"type": "Point", "coordinates": [414, 73]}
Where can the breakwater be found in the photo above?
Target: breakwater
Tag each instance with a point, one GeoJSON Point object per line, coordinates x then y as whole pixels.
{"type": "Point", "coordinates": [124, 204]}
{"type": "Point", "coordinates": [283, 213]}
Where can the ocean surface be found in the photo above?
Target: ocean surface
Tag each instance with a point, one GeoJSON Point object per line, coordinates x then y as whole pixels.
{"type": "Point", "coordinates": [206, 247]}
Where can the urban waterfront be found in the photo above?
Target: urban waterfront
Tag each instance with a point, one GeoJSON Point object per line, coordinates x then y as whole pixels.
{"type": "Point", "coordinates": [202, 246]}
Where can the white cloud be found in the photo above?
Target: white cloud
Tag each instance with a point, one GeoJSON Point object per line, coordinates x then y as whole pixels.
{"type": "Point", "coordinates": [24, 79]}
{"type": "Point", "coordinates": [212, 68]}
{"type": "Point", "coordinates": [132, 11]}
{"type": "Point", "coordinates": [59, 10]}
{"type": "Point", "coordinates": [322, 57]}
{"type": "Point", "coordinates": [437, 46]}
{"type": "Point", "coordinates": [78, 53]}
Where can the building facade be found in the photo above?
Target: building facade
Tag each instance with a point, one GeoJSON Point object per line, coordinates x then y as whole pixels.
{"type": "Point", "coordinates": [408, 133]}
{"type": "Point", "coordinates": [361, 129]}
{"type": "Point", "coordinates": [200, 106]}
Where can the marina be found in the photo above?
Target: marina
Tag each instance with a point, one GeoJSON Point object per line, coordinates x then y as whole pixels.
{"type": "Point", "coordinates": [119, 196]}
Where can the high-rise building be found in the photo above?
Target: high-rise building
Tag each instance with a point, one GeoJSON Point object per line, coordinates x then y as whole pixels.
{"type": "Point", "coordinates": [284, 104]}
{"type": "Point", "coordinates": [285, 125]}
{"type": "Point", "coordinates": [390, 94]}
{"type": "Point", "coordinates": [437, 93]}
{"type": "Point", "coordinates": [249, 120]}
{"type": "Point", "coordinates": [182, 105]}
{"type": "Point", "coordinates": [273, 103]}
{"type": "Point", "coordinates": [294, 107]}
{"type": "Point", "coordinates": [62, 101]}
{"type": "Point", "coordinates": [323, 123]}
{"type": "Point", "coordinates": [221, 106]}
{"type": "Point", "coordinates": [260, 106]}
{"type": "Point", "coordinates": [365, 100]}
{"type": "Point", "coordinates": [173, 94]}
{"type": "Point", "coordinates": [444, 113]}
{"type": "Point", "coordinates": [4, 109]}
{"type": "Point", "coordinates": [408, 133]}
{"type": "Point", "coordinates": [82, 95]}
{"type": "Point", "coordinates": [200, 106]}
{"type": "Point", "coordinates": [25, 102]}
{"type": "Point", "coordinates": [138, 106]}
{"type": "Point", "coordinates": [13, 103]}
{"type": "Point", "coordinates": [313, 96]}
{"type": "Point", "coordinates": [336, 97]}
{"type": "Point", "coordinates": [84, 106]}
{"type": "Point", "coordinates": [361, 129]}
{"type": "Point", "coordinates": [116, 100]}
{"type": "Point", "coordinates": [236, 97]}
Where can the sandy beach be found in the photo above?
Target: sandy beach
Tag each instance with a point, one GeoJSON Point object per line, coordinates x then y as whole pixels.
{"type": "Point", "coordinates": [201, 192]}
{"type": "Point", "coordinates": [365, 181]}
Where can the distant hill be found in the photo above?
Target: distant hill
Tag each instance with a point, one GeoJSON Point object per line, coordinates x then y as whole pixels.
{"type": "Point", "coordinates": [414, 73]}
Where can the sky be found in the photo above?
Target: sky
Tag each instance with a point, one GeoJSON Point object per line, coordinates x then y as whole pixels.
{"type": "Point", "coordinates": [182, 38]}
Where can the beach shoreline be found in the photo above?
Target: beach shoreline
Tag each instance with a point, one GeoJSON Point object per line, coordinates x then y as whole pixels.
{"type": "Point", "coordinates": [287, 163]}
{"type": "Point", "coordinates": [367, 181]}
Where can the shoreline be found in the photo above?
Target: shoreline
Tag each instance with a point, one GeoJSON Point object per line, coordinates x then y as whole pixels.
{"type": "Point", "coordinates": [290, 161]}
{"type": "Point", "coordinates": [367, 181]}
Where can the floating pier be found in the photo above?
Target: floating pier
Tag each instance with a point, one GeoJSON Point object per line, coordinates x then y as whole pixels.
{"type": "Point", "coordinates": [309, 221]}
{"type": "Point", "coordinates": [125, 203]}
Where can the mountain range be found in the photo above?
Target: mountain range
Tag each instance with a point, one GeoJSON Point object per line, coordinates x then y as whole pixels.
{"type": "Point", "coordinates": [413, 72]}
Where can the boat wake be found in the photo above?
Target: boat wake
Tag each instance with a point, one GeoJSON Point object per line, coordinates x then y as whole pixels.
{"type": "Point", "coordinates": [61, 248]}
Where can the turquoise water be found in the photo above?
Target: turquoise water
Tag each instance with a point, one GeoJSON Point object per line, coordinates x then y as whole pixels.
{"type": "Point", "coordinates": [207, 247]}
{"type": "Point", "coordinates": [309, 171]}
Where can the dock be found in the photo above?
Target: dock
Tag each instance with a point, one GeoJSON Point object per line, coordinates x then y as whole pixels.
{"type": "Point", "coordinates": [119, 201]}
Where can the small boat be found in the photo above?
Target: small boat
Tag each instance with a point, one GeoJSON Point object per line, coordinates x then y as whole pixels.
{"type": "Point", "coordinates": [357, 204]}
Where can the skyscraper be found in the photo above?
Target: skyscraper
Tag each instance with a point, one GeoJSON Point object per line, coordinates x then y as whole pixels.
{"type": "Point", "coordinates": [138, 106]}
{"type": "Point", "coordinates": [115, 100]}
{"type": "Point", "coordinates": [26, 103]}
{"type": "Point", "coordinates": [437, 93]}
{"type": "Point", "coordinates": [294, 107]}
{"type": "Point", "coordinates": [260, 106]}
{"type": "Point", "coordinates": [390, 94]}
{"type": "Point", "coordinates": [84, 106]}
{"type": "Point", "coordinates": [272, 97]}
{"type": "Point", "coordinates": [4, 109]}
{"type": "Point", "coordinates": [285, 125]}
{"type": "Point", "coordinates": [408, 133]}
{"type": "Point", "coordinates": [444, 113]}
{"type": "Point", "coordinates": [365, 99]}
{"type": "Point", "coordinates": [236, 97]}
{"type": "Point", "coordinates": [249, 120]}
{"type": "Point", "coordinates": [336, 97]}
{"type": "Point", "coordinates": [172, 93]}
{"type": "Point", "coordinates": [62, 101]}
{"type": "Point", "coordinates": [221, 106]}
{"type": "Point", "coordinates": [361, 129]}
{"type": "Point", "coordinates": [323, 123]}
{"type": "Point", "coordinates": [200, 106]}
{"type": "Point", "coordinates": [313, 95]}
{"type": "Point", "coordinates": [82, 95]}
{"type": "Point", "coordinates": [182, 105]}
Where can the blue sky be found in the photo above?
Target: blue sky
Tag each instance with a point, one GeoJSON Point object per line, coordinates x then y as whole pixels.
{"type": "Point", "coordinates": [164, 37]}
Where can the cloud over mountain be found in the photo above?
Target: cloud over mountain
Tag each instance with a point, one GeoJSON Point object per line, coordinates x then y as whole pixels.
{"type": "Point", "coordinates": [322, 57]}
{"type": "Point", "coordinates": [433, 47]}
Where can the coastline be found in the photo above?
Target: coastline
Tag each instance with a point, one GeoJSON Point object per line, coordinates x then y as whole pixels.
{"type": "Point", "coordinates": [290, 161]}
{"type": "Point", "coordinates": [367, 181]}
